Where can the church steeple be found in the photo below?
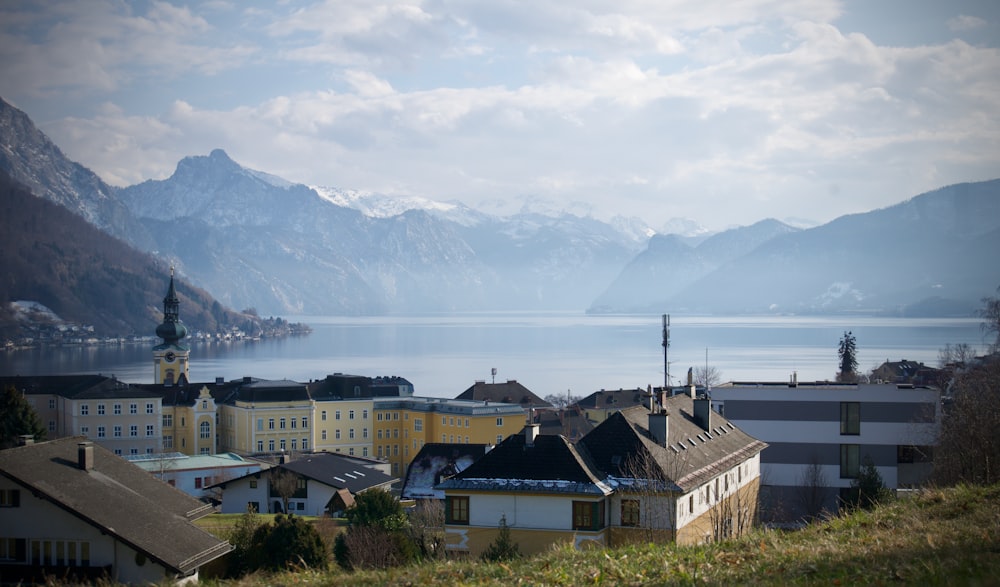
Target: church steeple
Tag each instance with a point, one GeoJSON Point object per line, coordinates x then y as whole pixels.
{"type": "Point", "coordinates": [170, 359]}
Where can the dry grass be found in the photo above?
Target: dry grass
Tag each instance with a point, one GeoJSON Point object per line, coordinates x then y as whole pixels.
{"type": "Point", "coordinates": [939, 537]}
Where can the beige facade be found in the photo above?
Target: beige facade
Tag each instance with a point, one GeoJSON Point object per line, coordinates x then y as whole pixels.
{"type": "Point", "coordinates": [345, 426]}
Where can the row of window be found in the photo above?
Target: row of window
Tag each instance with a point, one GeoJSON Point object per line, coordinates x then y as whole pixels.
{"type": "Point", "coordinates": [587, 515]}
{"type": "Point", "coordinates": [116, 408]}
{"type": "Point", "coordinates": [283, 445]}
{"type": "Point", "coordinates": [116, 431]}
{"type": "Point", "coordinates": [281, 422]}
{"type": "Point", "coordinates": [67, 553]}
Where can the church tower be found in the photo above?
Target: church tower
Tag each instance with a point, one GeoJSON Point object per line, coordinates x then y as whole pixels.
{"type": "Point", "coordinates": [170, 359]}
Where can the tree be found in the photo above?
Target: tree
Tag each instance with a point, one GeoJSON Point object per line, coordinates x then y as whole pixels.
{"type": "Point", "coordinates": [847, 351]}
{"type": "Point", "coordinates": [868, 490]}
{"type": "Point", "coordinates": [378, 509]}
{"type": "Point", "coordinates": [560, 401]}
{"type": "Point", "coordinates": [17, 418]}
{"type": "Point", "coordinates": [957, 354]}
{"type": "Point", "coordinates": [990, 313]}
{"type": "Point", "coordinates": [377, 536]}
{"type": "Point", "coordinates": [813, 489]}
{"type": "Point", "coordinates": [242, 560]}
{"type": "Point", "coordinates": [290, 542]}
{"type": "Point", "coordinates": [503, 548]}
{"type": "Point", "coordinates": [284, 484]}
{"type": "Point", "coordinates": [707, 376]}
{"type": "Point", "coordinates": [968, 449]}
{"type": "Point", "coordinates": [427, 527]}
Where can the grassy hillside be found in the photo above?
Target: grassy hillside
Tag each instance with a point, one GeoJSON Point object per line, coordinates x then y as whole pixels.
{"type": "Point", "coordinates": [940, 537]}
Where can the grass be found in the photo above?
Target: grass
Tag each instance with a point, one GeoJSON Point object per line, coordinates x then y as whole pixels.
{"type": "Point", "coordinates": [938, 537]}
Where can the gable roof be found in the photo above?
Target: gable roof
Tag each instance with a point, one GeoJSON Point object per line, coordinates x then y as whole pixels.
{"type": "Point", "coordinates": [76, 387]}
{"type": "Point", "coordinates": [117, 498]}
{"type": "Point", "coordinates": [333, 469]}
{"type": "Point", "coordinates": [549, 464]}
{"type": "Point", "coordinates": [614, 399]}
{"type": "Point", "coordinates": [437, 461]}
{"type": "Point", "coordinates": [510, 392]}
{"type": "Point", "coordinates": [692, 455]}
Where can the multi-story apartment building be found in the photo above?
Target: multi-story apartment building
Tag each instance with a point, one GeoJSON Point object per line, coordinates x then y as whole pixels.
{"type": "Point", "coordinates": [266, 417]}
{"type": "Point", "coordinates": [404, 425]}
{"type": "Point", "coordinates": [123, 418]}
{"type": "Point", "coordinates": [344, 419]}
{"type": "Point", "coordinates": [821, 434]}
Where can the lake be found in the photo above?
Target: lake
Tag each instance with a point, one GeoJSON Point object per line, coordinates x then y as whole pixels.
{"type": "Point", "coordinates": [442, 355]}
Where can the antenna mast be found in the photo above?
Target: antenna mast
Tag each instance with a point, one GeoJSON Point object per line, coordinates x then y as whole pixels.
{"type": "Point", "coordinates": [666, 347]}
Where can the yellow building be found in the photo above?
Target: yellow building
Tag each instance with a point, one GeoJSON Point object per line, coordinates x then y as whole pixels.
{"type": "Point", "coordinates": [403, 425]}
{"type": "Point", "coordinates": [266, 417]}
{"type": "Point", "coordinates": [170, 359]}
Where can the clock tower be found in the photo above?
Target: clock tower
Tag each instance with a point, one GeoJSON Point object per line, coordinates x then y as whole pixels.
{"type": "Point", "coordinates": [170, 359]}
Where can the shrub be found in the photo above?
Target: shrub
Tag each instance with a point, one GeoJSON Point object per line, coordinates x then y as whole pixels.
{"type": "Point", "coordinates": [288, 542]}
{"type": "Point", "coordinates": [503, 548]}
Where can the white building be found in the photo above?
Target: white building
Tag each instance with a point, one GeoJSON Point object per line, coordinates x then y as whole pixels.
{"type": "Point", "coordinates": [195, 474]}
{"type": "Point", "coordinates": [821, 434]}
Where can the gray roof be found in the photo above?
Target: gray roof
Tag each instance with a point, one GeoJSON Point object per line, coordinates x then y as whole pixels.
{"type": "Point", "coordinates": [333, 469]}
{"type": "Point", "coordinates": [119, 499]}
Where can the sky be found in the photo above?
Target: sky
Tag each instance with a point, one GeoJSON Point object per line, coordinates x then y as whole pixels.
{"type": "Point", "coordinates": [721, 112]}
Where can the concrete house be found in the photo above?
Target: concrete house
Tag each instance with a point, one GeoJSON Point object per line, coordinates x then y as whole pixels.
{"type": "Point", "coordinates": [72, 509]}
{"type": "Point", "coordinates": [324, 483]}
{"type": "Point", "coordinates": [675, 473]}
{"type": "Point", "coordinates": [821, 433]}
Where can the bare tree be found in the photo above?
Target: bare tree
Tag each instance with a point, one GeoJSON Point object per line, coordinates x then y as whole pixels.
{"type": "Point", "coordinates": [957, 354]}
{"type": "Point", "coordinates": [732, 514]}
{"type": "Point", "coordinates": [284, 484]}
{"type": "Point", "coordinates": [968, 449]}
{"type": "Point", "coordinates": [427, 527]}
{"type": "Point", "coordinates": [990, 313]}
{"type": "Point", "coordinates": [707, 376]}
{"type": "Point", "coordinates": [812, 490]}
{"type": "Point", "coordinates": [652, 493]}
{"type": "Point", "coordinates": [561, 401]}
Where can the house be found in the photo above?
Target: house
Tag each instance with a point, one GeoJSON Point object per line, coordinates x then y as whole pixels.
{"type": "Point", "coordinates": [71, 508]}
{"type": "Point", "coordinates": [673, 473]}
{"type": "Point", "coordinates": [820, 434]}
{"type": "Point", "coordinates": [601, 404]}
{"type": "Point", "coordinates": [319, 484]}
{"type": "Point", "coordinates": [437, 461]}
{"type": "Point", "coordinates": [195, 474]}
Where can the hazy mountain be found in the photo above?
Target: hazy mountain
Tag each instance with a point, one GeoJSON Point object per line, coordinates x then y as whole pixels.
{"type": "Point", "coordinates": [671, 263]}
{"type": "Point", "coordinates": [54, 257]}
{"type": "Point", "coordinates": [933, 254]}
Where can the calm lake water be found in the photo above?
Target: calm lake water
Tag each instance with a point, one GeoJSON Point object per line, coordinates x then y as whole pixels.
{"type": "Point", "coordinates": [549, 353]}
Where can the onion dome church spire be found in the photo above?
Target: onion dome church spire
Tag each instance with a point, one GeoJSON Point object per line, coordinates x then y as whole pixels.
{"type": "Point", "coordinates": [170, 359]}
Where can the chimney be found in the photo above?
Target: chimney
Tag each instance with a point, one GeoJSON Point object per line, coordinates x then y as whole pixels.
{"type": "Point", "coordinates": [85, 455]}
{"type": "Point", "coordinates": [658, 425]}
{"type": "Point", "coordinates": [703, 413]}
{"type": "Point", "coordinates": [530, 434]}
{"type": "Point", "coordinates": [794, 381]}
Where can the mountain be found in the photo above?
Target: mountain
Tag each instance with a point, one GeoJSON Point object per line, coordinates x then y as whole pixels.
{"type": "Point", "coordinates": [671, 263]}
{"type": "Point", "coordinates": [931, 255]}
{"type": "Point", "coordinates": [53, 257]}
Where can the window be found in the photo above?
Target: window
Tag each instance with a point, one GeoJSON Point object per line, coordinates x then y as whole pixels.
{"type": "Point", "coordinates": [149, 430]}
{"type": "Point", "coordinates": [270, 423]}
{"type": "Point", "coordinates": [395, 432]}
{"type": "Point", "coordinates": [588, 515]}
{"type": "Point", "coordinates": [85, 430]}
{"type": "Point", "coordinates": [118, 452]}
{"type": "Point", "coordinates": [350, 451]}
{"type": "Point", "coordinates": [379, 417]}
{"type": "Point", "coordinates": [133, 451]}
{"type": "Point", "coordinates": [118, 431]}
{"type": "Point", "coordinates": [100, 409]}
{"type": "Point", "coordinates": [364, 451]}
{"type": "Point", "coordinates": [133, 431]}
{"type": "Point", "coordinates": [336, 433]}
{"type": "Point", "coordinates": [253, 484]}
{"type": "Point", "coordinates": [364, 414]}
{"type": "Point", "coordinates": [395, 450]}
{"type": "Point", "coordinates": [168, 420]}
{"type": "Point", "coordinates": [350, 433]}
{"type": "Point", "coordinates": [197, 482]}
{"type": "Point", "coordinates": [281, 424]}
{"type": "Point", "coordinates": [10, 498]}
{"type": "Point", "coordinates": [270, 445]}
{"type": "Point", "coordinates": [500, 421]}
{"type": "Point", "coordinates": [499, 438]}
{"type": "Point", "coordinates": [205, 430]}
{"type": "Point", "coordinates": [395, 415]}
{"type": "Point", "coordinates": [16, 549]}
{"type": "Point", "coordinates": [322, 416]}
{"type": "Point", "coordinates": [466, 422]}
{"type": "Point", "coordinates": [444, 420]}
{"type": "Point", "coordinates": [690, 504]}
{"type": "Point", "coordinates": [204, 404]}
{"type": "Point", "coordinates": [305, 422]}
{"type": "Point", "coordinates": [336, 415]}
{"type": "Point", "coordinates": [305, 444]}
{"type": "Point", "coordinates": [118, 409]}
{"type": "Point", "coordinates": [350, 414]}
{"type": "Point", "coordinates": [292, 423]}
{"type": "Point", "coordinates": [282, 446]}
{"type": "Point", "coordinates": [380, 451]}
{"type": "Point", "coordinates": [84, 410]}
{"type": "Point", "coordinates": [380, 434]}
{"type": "Point", "coordinates": [149, 408]}
{"type": "Point", "coordinates": [295, 444]}
{"type": "Point", "coordinates": [630, 512]}
{"type": "Point", "coordinates": [260, 423]}
{"type": "Point", "coordinates": [168, 442]}
{"type": "Point", "coordinates": [52, 425]}
{"type": "Point", "coordinates": [418, 424]}
{"type": "Point", "coordinates": [850, 418]}
{"type": "Point", "coordinates": [850, 462]}
{"type": "Point", "coordinates": [364, 433]}
{"type": "Point", "coordinates": [451, 421]}
{"type": "Point", "coordinates": [260, 446]}
{"type": "Point", "coordinates": [323, 434]}
{"type": "Point", "coordinates": [456, 510]}
{"type": "Point", "coordinates": [133, 409]}
{"type": "Point", "coordinates": [52, 403]}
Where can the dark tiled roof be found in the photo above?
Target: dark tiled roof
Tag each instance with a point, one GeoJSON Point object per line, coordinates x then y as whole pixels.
{"type": "Point", "coordinates": [614, 399]}
{"type": "Point", "coordinates": [551, 464]}
{"type": "Point", "coordinates": [437, 461]}
{"type": "Point", "coordinates": [569, 422]}
{"type": "Point", "coordinates": [119, 499]}
{"type": "Point", "coordinates": [510, 392]}
{"type": "Point", "coordinates": [692, 455]}
{"type": "Point", "coordinates": [340, 386]}
{"type": "Point", "coordinates": [76, 386]}
{"type": "Point", "coordinates": [282, 390]}
{"type": "Point", "coordinates": [333, 469]}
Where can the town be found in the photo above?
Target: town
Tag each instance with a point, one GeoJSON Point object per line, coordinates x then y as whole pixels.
{"type": "Point", "coordinates": [680, 464]}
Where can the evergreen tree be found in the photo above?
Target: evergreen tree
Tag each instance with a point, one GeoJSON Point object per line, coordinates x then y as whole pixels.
{"type": "Point", "coordinates": [17, 418]}
{"type": "Point", "coordinates": [848, 359]}
{"type": "Point", "coordinates": [868, 490]}
{"type": "Point", "coordinates": [503, 548]}
{"type": "Point", "coordinates": [289, 542]}
{"type": "Point", "coordinates": [243, 558]}
{"type": "Point", "coordinates": [377, 509]}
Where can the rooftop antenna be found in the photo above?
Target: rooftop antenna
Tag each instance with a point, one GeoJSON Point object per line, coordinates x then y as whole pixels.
{"type": "Point", "coordinates": [666, 347]}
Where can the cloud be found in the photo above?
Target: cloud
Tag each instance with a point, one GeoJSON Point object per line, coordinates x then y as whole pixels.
{"type": "Point", "coordinates": [964, 22]}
